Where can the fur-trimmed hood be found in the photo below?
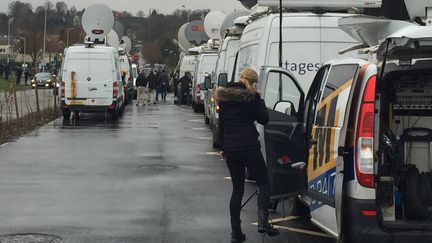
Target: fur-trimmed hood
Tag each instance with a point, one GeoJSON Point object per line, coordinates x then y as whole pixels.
{"type": "Point", "coordinates": [236, 93]}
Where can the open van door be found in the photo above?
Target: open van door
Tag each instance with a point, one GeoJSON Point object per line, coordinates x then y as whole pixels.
{"type": "Point", "coordinates": [283, 136]}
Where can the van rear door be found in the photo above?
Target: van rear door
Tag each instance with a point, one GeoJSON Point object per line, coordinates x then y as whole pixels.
{"type": "Point", "coordinates": [283, 137]}
{"type": "Point", "coordinates": [328, 129]}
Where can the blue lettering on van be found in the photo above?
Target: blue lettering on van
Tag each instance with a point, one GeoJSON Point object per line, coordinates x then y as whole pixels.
{"type": "Point", "coordinates": [302, 68]}
{"type": "Point", "coordinates": [324, 184]}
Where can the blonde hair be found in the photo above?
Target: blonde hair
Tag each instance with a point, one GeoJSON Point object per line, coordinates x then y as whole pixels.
{"type": "Point", "coordinates": [249, 78]}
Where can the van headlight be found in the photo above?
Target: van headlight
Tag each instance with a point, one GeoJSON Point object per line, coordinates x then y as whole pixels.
{"type": "Point", "coordinates": [32, 80]}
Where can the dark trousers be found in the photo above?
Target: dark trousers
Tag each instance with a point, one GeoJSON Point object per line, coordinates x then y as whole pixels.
{"type": "Point", "coordinates": [237, 163]}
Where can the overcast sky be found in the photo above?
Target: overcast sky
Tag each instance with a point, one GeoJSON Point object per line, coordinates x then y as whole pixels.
{"type": "Point", "coordinates": [133, 6]}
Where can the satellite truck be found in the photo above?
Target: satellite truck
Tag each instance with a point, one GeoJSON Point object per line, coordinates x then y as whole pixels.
{"type": "Point", "coordinates": [230, 33]}
{"type": "Point", "coordinates": [361, 137]}
{"type": "Point", "coordinates": [91, 74]}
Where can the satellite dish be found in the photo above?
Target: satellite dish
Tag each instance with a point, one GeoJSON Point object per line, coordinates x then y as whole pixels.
{"type": "Point", "coordinates": [113, 39]}
{"type": "Point", "coordinates": [119, 28]}
{"type": "Point", "coordinates": [230, 20]}
{"type": "Point", "coordinates": [417, 8]}
{"type": "Point", "coordinates": [212, 24]}
{"type": "Point", "coordinates": [183, 42]}
{"type": "Point", "coordinates": [126, 43]}
{"type": "Point", "coordinates": [248, 3]}
{"type": "Point", "coordinates": [195, 33]}
{"type": "Point", "coordinates": [97, 21]}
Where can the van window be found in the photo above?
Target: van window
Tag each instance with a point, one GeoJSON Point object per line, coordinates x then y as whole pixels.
{"type": "Point", "coordinates": [281, 87]}
{"type": "Point", "coordinates": [338, 76]}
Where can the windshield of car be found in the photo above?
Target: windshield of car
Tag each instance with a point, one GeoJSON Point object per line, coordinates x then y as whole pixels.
{"type": "Point", "coordinates": [43, 75]}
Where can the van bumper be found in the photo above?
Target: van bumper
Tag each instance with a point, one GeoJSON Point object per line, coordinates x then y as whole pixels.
{"type": "Point", "coordinates": [95, 108]}
{"type": "Point", "coordinates": [359, 228]}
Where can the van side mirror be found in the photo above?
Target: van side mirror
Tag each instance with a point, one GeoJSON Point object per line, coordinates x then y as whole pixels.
{"type": "Point", "coordinates": [207, 83]}
{"type": "Point", "coordinates": [223, 80]}
{"type": "Point", "coordinates": [284, 106]}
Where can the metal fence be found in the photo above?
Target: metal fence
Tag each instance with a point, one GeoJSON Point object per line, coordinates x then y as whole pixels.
{"type": "Point", "coordinates": [18, 104]}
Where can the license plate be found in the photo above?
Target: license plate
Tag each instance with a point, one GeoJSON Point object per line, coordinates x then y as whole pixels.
{"type": "Point", "coordinates": [77, 102]}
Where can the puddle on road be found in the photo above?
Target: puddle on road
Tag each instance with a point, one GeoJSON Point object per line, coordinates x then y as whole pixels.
{"type": "Point", "coordinates": [30, 238]}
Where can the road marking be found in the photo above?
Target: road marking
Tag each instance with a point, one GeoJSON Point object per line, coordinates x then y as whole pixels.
{"type": "Point", "coordinates": [200, 128]}
{"type": "Point", "coordinates": [229, 178]}
{"type": "Point", "coordinates": [278, 220]}
{"type": "Point", "coordinates": [215, 153]}
{"type": "Point", "coordinates": [204, 138]}
{"type": "Point", "coordinates": [200, 121]}
{"type": "Point", "coordinates": [303, 231]}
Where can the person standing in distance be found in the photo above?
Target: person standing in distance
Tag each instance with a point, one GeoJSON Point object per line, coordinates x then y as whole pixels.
{"type": "Point", "coordinates": [240, 106]}
{"type": "Point", "coordinates": [152, 86]}
{"type": "Point", "coordinates": [141, 84]}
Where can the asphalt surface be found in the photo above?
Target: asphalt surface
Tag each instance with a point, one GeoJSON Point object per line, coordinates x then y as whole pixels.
{"type": "Point", "coordinates": [150, 177]}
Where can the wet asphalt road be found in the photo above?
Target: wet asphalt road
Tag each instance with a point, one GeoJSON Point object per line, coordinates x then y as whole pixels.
{"type": "Point", "coordinates": [150, 177]}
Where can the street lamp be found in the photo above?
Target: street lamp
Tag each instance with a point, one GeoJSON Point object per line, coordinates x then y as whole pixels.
{"type": "Point", "coordinates": [8, 40]}
{"type": "Point", "coordinates": [25, 46]}
{"type": "Point", "coordinates": [188, 12]}
{"type": "Point", "coordinates": [67, 34]}
{"type": "Point", "coordinates": [44, 39]}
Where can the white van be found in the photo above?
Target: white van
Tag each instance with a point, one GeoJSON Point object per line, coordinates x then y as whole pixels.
{"type": "Point", "coordinates": [188, 63]}
{"type": "Point", "coordinates": [91, 80]}
{"type": "Point", "coordinates": [309, 40]}
{"type": "Point", "coordinates": [357, 147]}
{"type": "Point", "coordinates": [223, 71]}
{"type": "Point", "coordinates": [205, 66]}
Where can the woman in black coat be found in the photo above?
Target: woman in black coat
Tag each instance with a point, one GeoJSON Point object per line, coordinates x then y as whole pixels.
{"type": "Point", "coordinates": [240, 106]}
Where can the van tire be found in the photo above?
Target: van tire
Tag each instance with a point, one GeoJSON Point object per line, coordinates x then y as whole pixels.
{"type": "Point", "coordinates": [195, 108]}
{"type": "Point", "coordinates": [115, 114]}
{"type": "Point", "coordinates": [206, 119]}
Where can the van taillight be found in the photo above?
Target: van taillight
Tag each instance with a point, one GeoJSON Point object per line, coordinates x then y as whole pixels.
{"type": "Point", "coordinates": [198, 89]}
{"type": "Point", "coordinates": [365, 136]}
{"type": "Point", "coordinates": [217, 108]}
{"type": "Point", "coordinates": [115, 90]}
{"type": "Point", "coordinates": [63, 89]}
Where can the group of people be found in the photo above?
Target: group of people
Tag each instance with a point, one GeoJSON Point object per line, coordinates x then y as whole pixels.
{"type": "Point", "coordinates": [5, 72]}
{"type": "Point", "coordinates": [150, 85]}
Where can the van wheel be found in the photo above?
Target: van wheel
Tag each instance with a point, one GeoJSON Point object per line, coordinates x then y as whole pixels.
{"type": "Point", "coordinates": [207, 120]}
{"type": "Point", "coordinates": [66, 114]}
{"type": "Point", "coordinates": [115, 114]}
{"type": "Point", "coordinates": [195, 108]}
{"type": "Point", "coordinates": [121, 110]}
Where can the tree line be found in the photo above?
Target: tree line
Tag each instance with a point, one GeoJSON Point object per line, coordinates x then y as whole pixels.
{"type": "Point", "coordinates": [153, 34]}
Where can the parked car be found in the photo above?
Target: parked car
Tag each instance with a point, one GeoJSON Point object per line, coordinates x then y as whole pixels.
{"type": "Point", "coordinates": [43, 79]}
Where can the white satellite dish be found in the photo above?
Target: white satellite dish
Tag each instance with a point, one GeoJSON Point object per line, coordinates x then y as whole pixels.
{"type": "Point", "coordinates": [113, 39]}
{"type": "Point", "coordinates": [126, 43]}
{"type": "Point", "coordinates": [417, 8]}
{"type": "Point", "coordinates": [230, 20]}
{"type": "Point", "coordinates": [183, 42]}
{"type": "Point", "coordinates": [97, 21]}
{"type": "Point", "coordinates": [213, 22]}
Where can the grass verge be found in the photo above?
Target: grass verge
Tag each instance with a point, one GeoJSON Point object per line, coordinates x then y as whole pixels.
{"type": "Point", "coordinates": [17, 128]}
{"type": "Point", "coordinates": [5, 85]}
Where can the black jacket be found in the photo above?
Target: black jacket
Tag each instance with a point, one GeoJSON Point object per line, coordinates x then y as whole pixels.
{"type": "Point", "coordinates": [153, 81]}
{"type": "Point", "coordinates": [239, 109]}
{"type": "Point", "coordinates": [142, 80]}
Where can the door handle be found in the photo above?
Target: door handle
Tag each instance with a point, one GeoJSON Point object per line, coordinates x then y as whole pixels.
{"type": "Point", "coordinates": [93, 89]}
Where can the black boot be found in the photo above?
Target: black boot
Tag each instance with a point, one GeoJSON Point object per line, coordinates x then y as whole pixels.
{"type": "Point", "coordinates": [263, 224]}
{"type": "Point", "coordinates": [237, 235]}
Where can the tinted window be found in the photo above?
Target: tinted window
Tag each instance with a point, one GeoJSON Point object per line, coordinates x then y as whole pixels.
{"type": "Point", "coordinates": [338, 76]}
